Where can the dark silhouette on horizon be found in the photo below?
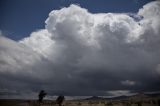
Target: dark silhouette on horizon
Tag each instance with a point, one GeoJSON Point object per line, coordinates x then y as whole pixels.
{"type": "Point", "coordinates": [60, 100]}
{"type": "Point", "coordinates": [41, 95]}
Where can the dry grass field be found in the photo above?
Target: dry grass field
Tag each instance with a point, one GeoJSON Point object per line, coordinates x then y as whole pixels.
{"type": "Point", "coordinates": [134, 101]}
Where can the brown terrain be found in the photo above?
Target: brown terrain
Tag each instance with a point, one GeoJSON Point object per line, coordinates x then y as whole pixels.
{"type": "Point", "coordinates": [136, 100]}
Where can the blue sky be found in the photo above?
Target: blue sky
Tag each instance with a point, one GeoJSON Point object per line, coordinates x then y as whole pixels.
{"type": "Point", "coordinates": [21, 17]}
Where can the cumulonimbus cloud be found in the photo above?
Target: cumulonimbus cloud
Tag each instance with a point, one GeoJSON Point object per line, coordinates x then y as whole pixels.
{"type": "Point", "coordinates": [88, 53]}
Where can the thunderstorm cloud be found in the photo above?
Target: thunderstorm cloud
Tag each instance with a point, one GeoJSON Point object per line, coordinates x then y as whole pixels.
{"type": "Point", "coordinates": [81, 53]}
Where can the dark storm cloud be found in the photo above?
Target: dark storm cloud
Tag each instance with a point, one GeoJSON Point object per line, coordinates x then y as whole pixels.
{"type": "Point", "coordinates": [80, 53]}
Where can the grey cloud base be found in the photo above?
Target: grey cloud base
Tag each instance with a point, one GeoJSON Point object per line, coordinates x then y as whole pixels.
{"type": "Point", "coordinates": [80, 53]}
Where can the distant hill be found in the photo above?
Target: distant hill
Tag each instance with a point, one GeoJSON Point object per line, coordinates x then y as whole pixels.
{"type": "Point", "coordinates": [123, 97]}
{"type": "Point", "coordinates": [144, 95]}
{"type": "Point", "coordinates": [101, 98]}
{"type": "Point", "coordinates": [153, 95]}
{"type": "Point", "coordinates": [95, 98]}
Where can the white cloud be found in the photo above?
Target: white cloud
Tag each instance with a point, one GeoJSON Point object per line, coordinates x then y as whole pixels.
{"type": "Point", "coordinates": [40, 42]}
{"type": "Point", "coordinates": [120, 92]}
{"type": "Point", "coordinates": [128, 82]}
{"type": "Point", "coordinates": [14, 56]}
{"type": "Point", "coordinates": [77, 43]}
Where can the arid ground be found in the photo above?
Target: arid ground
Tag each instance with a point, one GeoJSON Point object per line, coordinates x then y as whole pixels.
{"type": "Point", "coordinates": [120, 101]}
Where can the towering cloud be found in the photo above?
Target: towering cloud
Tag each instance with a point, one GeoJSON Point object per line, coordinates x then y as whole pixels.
{"type": "Point", "coordinates": [81, 53]}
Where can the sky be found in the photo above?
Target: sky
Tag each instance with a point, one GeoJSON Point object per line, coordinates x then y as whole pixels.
{"type": "Point", "coordinates": [21, 17]}
{"type": "Point", "coordinates": [79, 47]}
